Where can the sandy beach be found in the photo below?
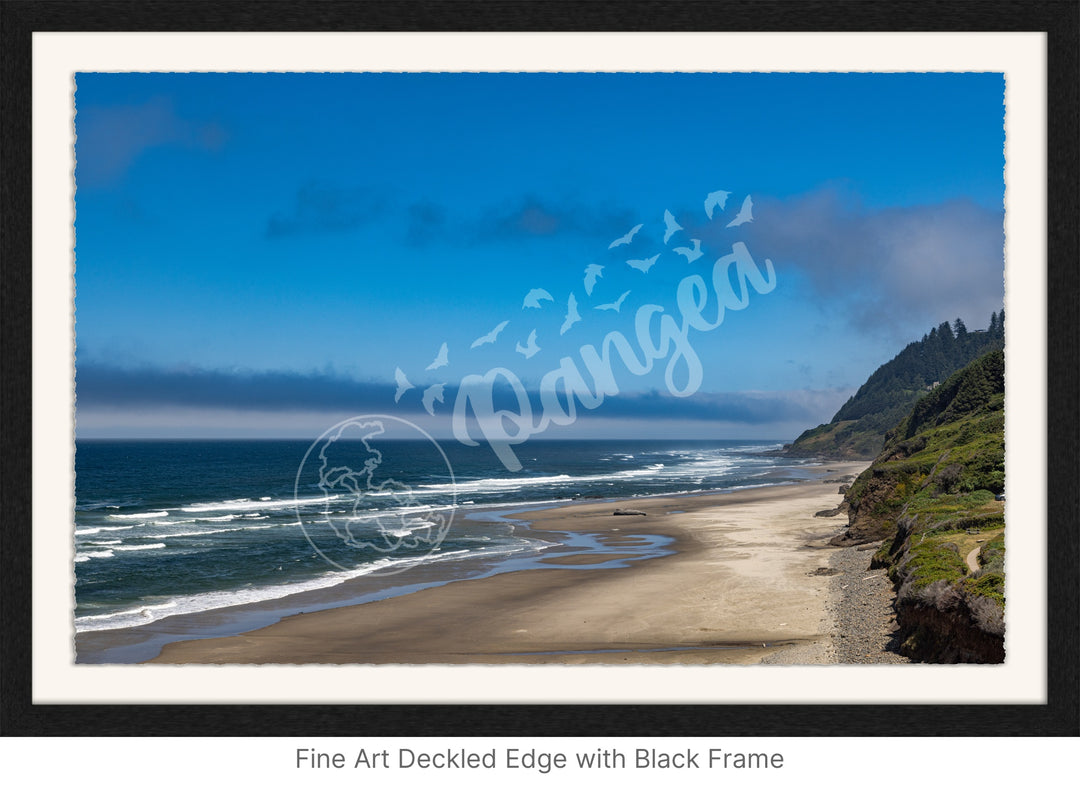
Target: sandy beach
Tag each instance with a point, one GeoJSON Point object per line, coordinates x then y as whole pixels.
{"type": "Point", "coordinates": [748, 581]}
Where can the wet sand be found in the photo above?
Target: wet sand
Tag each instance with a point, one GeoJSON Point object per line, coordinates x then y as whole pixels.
{"type": "Point", "coordinates": [740, 586]}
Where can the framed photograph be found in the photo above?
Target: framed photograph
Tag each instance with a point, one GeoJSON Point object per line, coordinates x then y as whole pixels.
{"type": "Point", "coordinates": [391, 369]}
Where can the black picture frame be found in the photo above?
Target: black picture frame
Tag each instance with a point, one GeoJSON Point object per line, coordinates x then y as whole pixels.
{"type": "Point", "coordinates": [19, 716]}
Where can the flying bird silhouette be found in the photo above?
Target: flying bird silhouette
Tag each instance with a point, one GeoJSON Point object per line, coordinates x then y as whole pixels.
{"type": "Point", "coordinates": [714, 200]}
{"type": "Point", "coordinates": [691, 255]}
{"type": "Point", "coordinates": [491, 336]}
{"type": "Point", "coordinates": [403, 384]}
{"type": "Point", "coordinates": [614, 305]}
{"type": "Point", "coordinates": [744, 214]}
{"type": "Point", "coordinates": [530, 348]}
{"type": "Point", "coordinates": [625, 239]}
{"type": "Point", "coordinates": [440, 359]}
{"type": "Point", "coordinates": [432, 396]}
{"type": "Point", "coordinates": [572, 315]}
{"type": "Point", "coordinates": [532, 299]}
{"type": "Point", "coordinates": [592, 274]}
{"type": "Point", "coordinates": [644, 264]}
{"type": "Point", "coordinates": [670, 226]}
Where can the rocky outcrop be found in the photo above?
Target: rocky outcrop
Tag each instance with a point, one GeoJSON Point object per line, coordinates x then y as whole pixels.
{"type": "Point", "coordinates": [842, 508]}
{"type": "Point", "coordinates": [939, 632]}
{"type": "Point", "coordinates": [865, 501]}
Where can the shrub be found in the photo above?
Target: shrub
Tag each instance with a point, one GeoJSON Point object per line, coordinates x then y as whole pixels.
{"type": "Point", "coordinates": [987, 584]}
{"type": "Point", "coordinates": [948, 478]}
{"type": "Point", "coordinates": [988, 615]}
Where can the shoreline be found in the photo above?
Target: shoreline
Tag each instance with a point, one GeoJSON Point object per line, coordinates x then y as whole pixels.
{"type": "Point", "coordinates": [740, 585]}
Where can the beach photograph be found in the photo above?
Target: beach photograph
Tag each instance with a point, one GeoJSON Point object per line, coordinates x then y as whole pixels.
{"type": "Point", "coordinates": [484, 368]}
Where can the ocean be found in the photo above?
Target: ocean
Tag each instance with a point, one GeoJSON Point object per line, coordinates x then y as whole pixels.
{"type": "Point", "coordinates": [166, 528]}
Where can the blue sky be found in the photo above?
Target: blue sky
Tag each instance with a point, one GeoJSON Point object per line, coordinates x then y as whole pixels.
{"type": "Point", "coordinates": [256, 254]}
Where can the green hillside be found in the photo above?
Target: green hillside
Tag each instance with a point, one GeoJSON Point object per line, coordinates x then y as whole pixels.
{"type": "Point", "coordinates": [931, 495]}
{"type": "Point", "coordinates": [857, 430]}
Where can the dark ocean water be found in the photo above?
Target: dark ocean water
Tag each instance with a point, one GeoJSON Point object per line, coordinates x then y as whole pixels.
{"type": "Point", "coordinates": [171, 527]}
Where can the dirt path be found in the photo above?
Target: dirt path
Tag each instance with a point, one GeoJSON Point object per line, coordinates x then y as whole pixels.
{"type": "Point", "coordinates": [973, 559]}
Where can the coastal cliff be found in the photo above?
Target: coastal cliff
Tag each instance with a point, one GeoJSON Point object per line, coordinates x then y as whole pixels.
{"type": "Point", "coordinates": [932, 496]}
{"type": "Point", "coordinates": [858, 429]}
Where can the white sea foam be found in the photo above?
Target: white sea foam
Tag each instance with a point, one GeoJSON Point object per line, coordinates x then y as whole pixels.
{"type": "Point", "coordinates": [524, 546]}
{"type": "Point", "coordinates": [142, 613]}
{"type": "Point", "coordinates": [261, 505]}
{"type": "Point", "coordinates": [139, 547]}
{"type": "Point", "coordinates": [202, 602]}
{"type": "Point", "coordinates": [91, 531]}
{"type": "Point", "coordinates": [505, 485]}
{"type": "Point", "coordinates": [82, 557]}
{"type": "Point", "coordinates": [189, 533]}
{"type": "Point", "coordinates": [147, 515]}
{"type": "Point", "coordinates": [412, 526]}
{"type": "Point", "coordinates": [495, 484]}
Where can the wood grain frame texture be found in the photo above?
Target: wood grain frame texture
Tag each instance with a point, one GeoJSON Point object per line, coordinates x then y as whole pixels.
{"type": "Point", "coordinates": [1060, 716]}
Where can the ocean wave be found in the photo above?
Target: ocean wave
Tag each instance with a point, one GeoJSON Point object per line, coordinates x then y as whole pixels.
{"type": "Point", "coordinates": [203, 602]}
{"type": "Point", "coordinates": [82, 557]}
{"type": "Point", "coordinates": [655, 470]}
{"type": "Point", "coordinates": [524, 545]}
{"type": "Point", "coordinates": [147, 515]}
{"type": "Point", "coordinates": [138, 547]}
{"type": "Point", "coordinates": [247, 505]}
{"type": "Point", "coordinates": [412, 526]}
{"type": "Point", "coordinates": [493, 484]}
{"type": "Point", "coordinates": [190, 533]}
{"type": "Point", "coordinates": [487, 512]}
{"type": "Point", "coordinates": [100, 505]}
{"type": "Point", "coordinates": [143, 613]}
{"type": "Point", "coordinates": [213, 600]}
{"type": "Point", "coordinates": [91, 531]}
